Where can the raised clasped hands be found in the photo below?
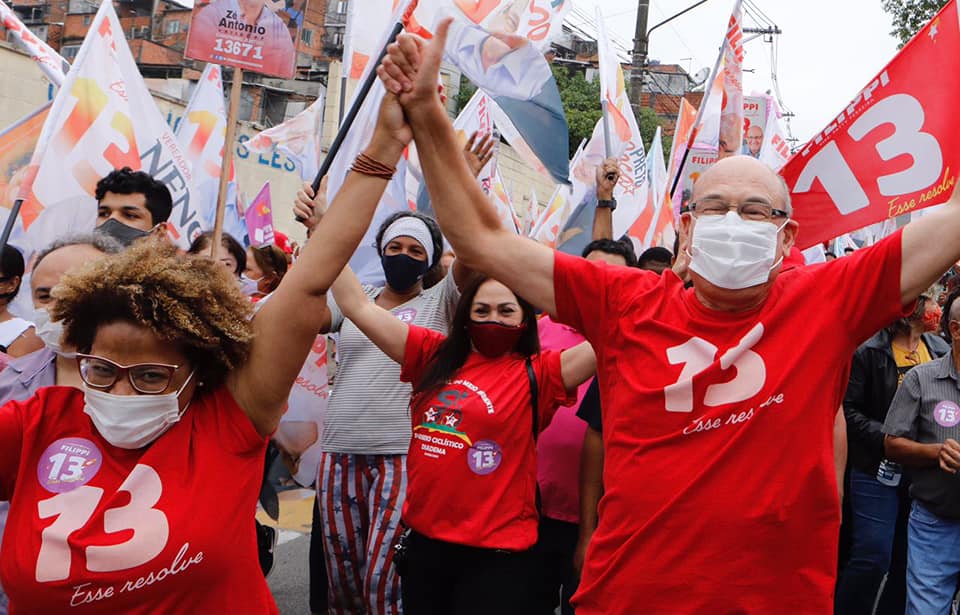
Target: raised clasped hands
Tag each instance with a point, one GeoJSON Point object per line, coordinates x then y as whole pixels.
{"type": "Point", "coordinates": [411, 68]}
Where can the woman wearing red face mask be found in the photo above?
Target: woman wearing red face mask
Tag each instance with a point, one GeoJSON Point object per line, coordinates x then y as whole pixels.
{"type": "Point", "coordinates": [471, 488]}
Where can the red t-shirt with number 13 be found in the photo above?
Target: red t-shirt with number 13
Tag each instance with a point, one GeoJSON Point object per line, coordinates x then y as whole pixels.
{"type": "Point", "coordinates": [472, 467]}
{"type": "Point", "coordinates": [98, 529]}
{"type": "Point", "coordinates": [718, 433]}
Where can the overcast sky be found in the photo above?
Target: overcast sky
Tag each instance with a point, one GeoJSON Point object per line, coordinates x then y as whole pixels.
{"type": "Point", "coordinates": [828, 50]}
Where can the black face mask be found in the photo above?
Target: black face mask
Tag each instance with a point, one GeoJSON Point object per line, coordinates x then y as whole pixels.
{"type": "Point", "coordinates": [124, 234]}
{"type": "Point", "coordinates": [403, 271]}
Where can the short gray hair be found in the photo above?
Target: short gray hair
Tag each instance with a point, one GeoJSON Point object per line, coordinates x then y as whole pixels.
{"type": "Point", "coordinates": [97, 241]}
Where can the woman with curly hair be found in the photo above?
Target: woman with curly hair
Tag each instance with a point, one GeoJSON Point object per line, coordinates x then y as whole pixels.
{"type": "Point", "coordinates": [133, 495]}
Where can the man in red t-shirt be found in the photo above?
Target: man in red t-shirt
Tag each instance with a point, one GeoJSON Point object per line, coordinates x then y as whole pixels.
{"type": "Point", "coordinates": [721, 494]}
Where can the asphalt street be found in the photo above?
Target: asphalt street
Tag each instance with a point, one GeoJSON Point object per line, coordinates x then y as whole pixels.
{"type": "Point", "coordinates": [288, 581]}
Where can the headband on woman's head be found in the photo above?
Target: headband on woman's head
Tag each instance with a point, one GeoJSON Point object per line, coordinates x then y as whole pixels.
{"type": "Point", "coordinates": [409, 226]}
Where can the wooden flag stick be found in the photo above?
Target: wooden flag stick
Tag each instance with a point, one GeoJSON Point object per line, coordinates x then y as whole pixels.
{"type": "Point", "coordinates": [227, 162]}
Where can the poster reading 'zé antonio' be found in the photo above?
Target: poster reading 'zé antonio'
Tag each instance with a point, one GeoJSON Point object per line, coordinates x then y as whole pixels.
{"type": "Point", "coordinates": [256, 35]}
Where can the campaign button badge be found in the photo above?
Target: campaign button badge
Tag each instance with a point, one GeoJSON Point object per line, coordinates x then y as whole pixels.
{"type": "Point", "coordinates": [947, 414]}
{"type": "Point", "coordinates": [68, 463]}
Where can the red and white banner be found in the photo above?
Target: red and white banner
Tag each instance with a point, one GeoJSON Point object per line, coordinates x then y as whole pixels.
{"type": "Point", "coordinates": [732, 111]}
{"type": "Point", "coordinates": [50, 62]}
{"type": "Point", "coordinates": [103, 118]}
{"type": "Point", "coordinates": [893, 150]}
{"type": "Point", "coordinates": [721, 111]}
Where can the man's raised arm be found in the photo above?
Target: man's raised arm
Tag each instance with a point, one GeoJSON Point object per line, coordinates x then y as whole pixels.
{"type": "Point", "coordinates": [931, 245]}
{"type": "Point", "coordinates": [467, 218]}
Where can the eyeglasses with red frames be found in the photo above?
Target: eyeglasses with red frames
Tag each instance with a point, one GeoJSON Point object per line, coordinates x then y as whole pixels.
{"type": "Point", "coordinates": [148, 378]}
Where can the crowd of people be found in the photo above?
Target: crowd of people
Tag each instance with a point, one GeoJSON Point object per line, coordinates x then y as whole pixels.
{"type": "Point", "coordinates": [511, 429]}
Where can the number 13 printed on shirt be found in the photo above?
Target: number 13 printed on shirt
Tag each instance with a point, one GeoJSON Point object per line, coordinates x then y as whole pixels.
{"type": "Point", "coordinates": [74, 509]}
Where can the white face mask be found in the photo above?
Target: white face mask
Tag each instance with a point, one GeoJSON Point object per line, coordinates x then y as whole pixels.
{"type": "Point", "coordinates": [249, 286]}
{"type": "Point", "coordinates": [47, 330]}
{"type": "Point", "coordinates": [132, 421]}
{"type": "Point", "coordinates": [734, 253]}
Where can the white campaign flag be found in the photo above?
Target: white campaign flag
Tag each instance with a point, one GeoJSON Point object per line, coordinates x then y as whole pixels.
{"type": "Point", "coordinates": [475, 117]}
{"type": "Point", "coordinates": [103, 118]}
{"type": "Point", "coordinates": [624, 134]}
{"type": "Point", "coordinates": [202, 134]}
{"type": "Point", "coordinates": [298, 138]}
{"type": "Point", "coordinates": [775, 152]}
{"type": "Point", "coordinates": [51, 63]}
{"type": "Point", "coordinates": [720, 125]}
{"type": "Point", "coordinates": [533, 212]}
{"type": "Point", "coordinates": [547, 229]}
{"type": "Point", "coordinates": [657, 170]}
{"type": "Point", "coordinates": [366, 260]}
{"type": "Point", "coordinates": [504, 204]}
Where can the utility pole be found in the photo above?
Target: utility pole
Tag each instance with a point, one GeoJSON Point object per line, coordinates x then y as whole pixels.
{"type": "Point", "coordinates": [640, 41]}
{"type": "Point", "coordinates": [756, 32]}
{"type": "Point", "coordinates": [640, 44]}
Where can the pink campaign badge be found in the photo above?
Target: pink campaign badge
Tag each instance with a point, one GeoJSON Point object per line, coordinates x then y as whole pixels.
{"type": "Point", "coordinates": [406, 315]}
{"type": "Point", "coordinates": [947, 414]}
{"type": "Point", "coordinates": [68, 463]}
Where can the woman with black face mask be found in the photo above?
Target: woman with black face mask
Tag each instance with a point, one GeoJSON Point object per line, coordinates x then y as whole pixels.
{"type": "Point", "coordinates": [481, 395]}
{"type": "Point", "coordinates": [366, 432]}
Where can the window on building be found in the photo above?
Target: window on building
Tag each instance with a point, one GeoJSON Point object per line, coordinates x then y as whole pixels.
{"type": "Point", "coordinates": [306, 35]}
{"type": "Point", "coordinates": [86, 20]}
{"type": "Point", "coordinates": [337, 38]}
{"type": "Point", "coordinates": [69, 52]}
{"type": "Point", "coordinates": [342, 6]}
{"type": "Point", "coordinates": [173, 27]}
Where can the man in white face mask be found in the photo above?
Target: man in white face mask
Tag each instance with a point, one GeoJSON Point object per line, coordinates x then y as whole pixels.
{"type": "Point", "coordinates": [737, 234]}
{"type": "Point", "coordinates": [52, 364]}
{"type": "Point", "coordinates": [719, 401]}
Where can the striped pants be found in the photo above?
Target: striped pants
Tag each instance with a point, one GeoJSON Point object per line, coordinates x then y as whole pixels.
{"type": "Point", "coordinates": [361, 498]}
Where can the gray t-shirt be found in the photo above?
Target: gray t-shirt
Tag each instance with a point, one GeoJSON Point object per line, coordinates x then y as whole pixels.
{"type": "Point", "coordinates": [368, 410]}
{"type": "Point", "coordinates": [926, 409]}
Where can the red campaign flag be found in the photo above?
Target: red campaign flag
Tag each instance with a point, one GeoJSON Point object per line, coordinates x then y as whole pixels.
{"type": "Point", "coordinates": [893, 150]}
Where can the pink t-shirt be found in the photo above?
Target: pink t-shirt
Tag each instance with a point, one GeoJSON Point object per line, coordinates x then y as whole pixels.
{"type": "Point", "coordinates": [560, 444]}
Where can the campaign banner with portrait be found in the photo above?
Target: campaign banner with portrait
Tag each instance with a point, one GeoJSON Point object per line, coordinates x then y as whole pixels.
{"type": "Point", "coordinates": [255, 35]}
{"type": "Point", "coordinates": [754, 125]}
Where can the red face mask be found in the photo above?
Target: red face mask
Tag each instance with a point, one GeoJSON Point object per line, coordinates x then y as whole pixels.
{"type": "Point", "coordinates": [492, 339]}
{"type": "Point", "coordinates": [931, 320]}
